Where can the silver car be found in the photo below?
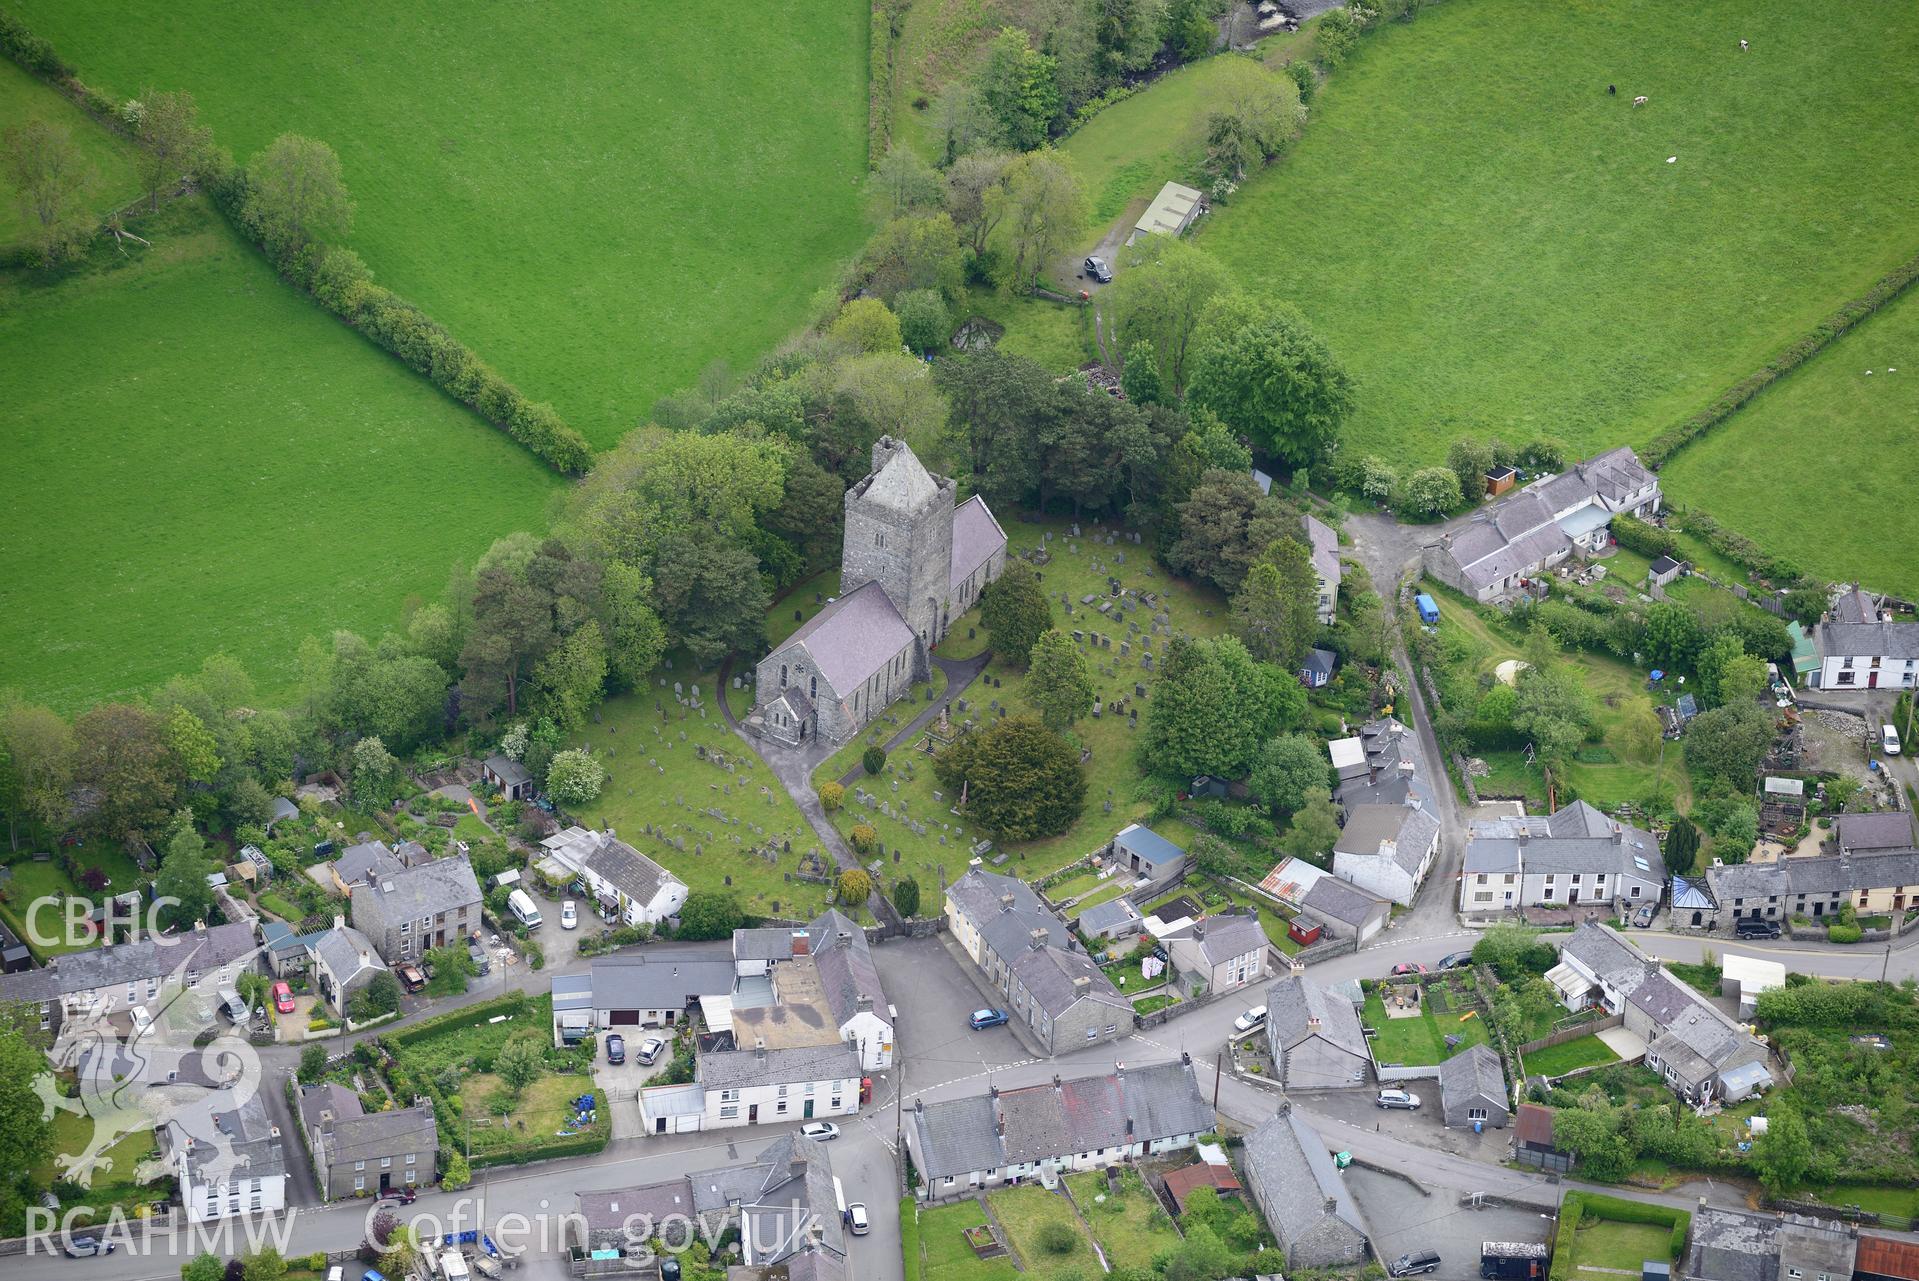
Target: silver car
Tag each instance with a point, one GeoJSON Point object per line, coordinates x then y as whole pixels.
{"type": "Point", "coordinates": [1401, 1099]}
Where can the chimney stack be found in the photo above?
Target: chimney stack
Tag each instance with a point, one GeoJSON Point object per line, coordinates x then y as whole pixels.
{"type": "Point", "coordinates": [1618, 834]}
{"type": "Point", "coordinates": [339, 922]}
{"type": "Point", "coordinates": [1296, 967]}
{"type": "Point", "coordinates": [1006, 900]}
{"type": "Point", "coordinates": [1037, 938]}
{"type": "Point", "coordinates": [919, 1107]}
{"type": "Point", "coordinates": [759, 1048]}
{"type": "Point", "coordinates": [1312, 1023]}
{"type": "Point", "coordinates": [1080, 985]}
{"type": "Point", "coordinates": [1199, 929]}
{"type": "Point", "coordinates": [199, 927]}
{"type": "Point", "coordinates": [1332, 1206]}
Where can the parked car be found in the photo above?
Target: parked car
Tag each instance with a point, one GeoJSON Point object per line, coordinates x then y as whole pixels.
{"type": "Point", "coordinates": [142, 1020]}
{"type": "Point", "coordinates": [1412, 1265]}
{"type": "Point", "coordinates": [856, 1218]}
{"type": "Point", "coordinates": [336, 1273]}
{"type": "Point", "coordinates": [650, 1049]}
{"type": "Point", "coordinates": [1405, 968]}
{"type": "Point", "coordinates": [569, 915]}
{"type": "Point", "coordinates": [988, 1018]}
{"type": "Point", "coordinates": [1889, 739]}
{"type": "Point", "coordinates": [283, 997]}
{"type": "Point", "coordinates": [482, 961]}
{"type": "Point", "coordinates": [1455, 960]}
{"type": "Point", "coordinates": [669, 1269]}
{"type": "Point", "coordinates": [410, 977]}
{"type": "Point", "coordinates": [821, 1130]}
{"type": "Point", "coordinates": [1250, 1019]}
{"type": "Point", "coordinates": [235, 1008]}
{"type": "Point", "coordinates": [86, 1247]}
{"type": "Point", "coordinates": [1753, 927]}
{"type": "Point", "coordinates": [1643, 917]}
{"type": "Point", "coordinates": [1099, 270]}
{"type": "Point", "coordinates": [1400, 1099]}
{"type": "Point", "coordinates": [615, 1048]}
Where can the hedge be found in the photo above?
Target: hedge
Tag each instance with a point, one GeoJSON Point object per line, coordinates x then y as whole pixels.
{"type": "Point", "coordinates": [910, 1238]}
{"type": "Point", "coordinates": [1738, 548]}
{"type": "Point", "coordinates": [337, 279]}
{"type": "Point", "coordinates": [470, 1016]}
{"type": "Point", "coordinates": [1675, 438]}
{"type": "Point", "coordinates": [586, 1143]}
{"type": "Point", "coordinates": [882, 44]}
{"type": "Point", "coordinates": [1647, 540]}
{"type": "Point", "coordinates": [1577, 1205]}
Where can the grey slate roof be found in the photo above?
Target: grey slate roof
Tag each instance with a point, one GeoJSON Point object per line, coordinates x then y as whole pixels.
{"type": "Point", "coordinates": [1854, 605]}
{"type": "Point", "coordinates": [1600, 950]}
{"type": "Point", "coordinates": [763, 944]}
{"type": "Point", "coordinates": [1113, 914]}
{"type": "Point", "coordinates": [609, 1210]}
{"type": "Point", "coordinates": [981, 896]}
{"type": "Point", "coordinates": [1732, 1245]}
{"type": "Point", "coordinates": [1336, 900]}
{"type": "Point", "coordinates": [1292, 1001]}
{"type": "Point", "coordinates": [1051, 974]}
{"type": "Point", "coordinates": [1324, 546]}
{"type": "Point", "coordinates": [845, 964]}
{"type": "Point", "coordinates": [1392, 789]}
{"type": "Point", "coordinates": [1868, 640]}
{"type": "Point", "coordinates": [853, 637]}
{"type": "Point", "coordinates": [347, 953]}
{"type": "Point", "coordinates": [1522, 530]}
{"type": "Point", "coordinates": [1320, 662]}
{"type": "Point", "coordinates": [627, 870]}
{"type": "Point", "coordinates": [1411, 830]}
{"type": "Point", "coordinates": [1291, 1172]}
{"type": "Point", "coordinates": [1574, 838]}
{"type": "Point", "coordinates": [1474, 1072]}
{"type": "Point", "coordinates": [359, 1135]}
{"type": "Point", "coordinates": [257, 1153]}
{"type": "Point", "coordinates": [1611, 477]}
{"type": "Point", "coordinates": [1059, 1118]}
{"type": "Point", "coordinates": [151, 958]}
{"type": "Point", "coordinates": [444, 885]}
{"type": "Point", "coordinates": [1889, 831]}
{"type": "Point", "coordinates": [976, 536]}
{"type": "Point", "coordinates": [729, 1069]}
{"type": "Point", "coordinates": [1745, 882]}
{"type": "Point", "coordinates": [1148, 846]}
{"type": "Point", "coordinates": [666, 982]}
{"type": "Point", "coordinates": [359, 864]}
{"type": "Point", "coordinates": [508, 770]}
{"type": "Point", "coordinates": [1230, 934]}
{"type": "Point", "coordinates": [795, 1197]}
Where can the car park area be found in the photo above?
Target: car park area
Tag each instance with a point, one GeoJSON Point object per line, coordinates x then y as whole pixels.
{"type": "Point", "coordinates": [1409, 1220]}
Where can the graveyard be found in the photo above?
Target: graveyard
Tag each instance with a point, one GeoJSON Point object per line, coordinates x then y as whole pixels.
{"type": "Point", "coordinates": [1105, 592]}
{"type": "Point", "coordinates": [687, 792]}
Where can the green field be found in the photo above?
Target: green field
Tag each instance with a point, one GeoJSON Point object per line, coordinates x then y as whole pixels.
{"type": "Point", "coordinates": [113, 181]}
{"type": "Point", "coordinates": [599, 198]}
{"type": "Point", "coordinates": [1496, 246]}
{"type": "Point", "coordinates": [1772, 470]}
{"type": "Point", "coordinates": [201, 460]}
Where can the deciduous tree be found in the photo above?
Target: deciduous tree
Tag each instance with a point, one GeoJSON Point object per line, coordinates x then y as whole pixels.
{"type": "Point", "coordinates": [969, 181]}
{"type": "Point", "coordinates": [1286, 770]}
{"type": "Point", "coordinates": [36, 765]}
{"type": "Point", "coordinates": [1159, 296]}
{"type": "Point", "coordinates": [1314, 829]}
{"type": "Point", "coordinates": [1728, 743]}
{"type": "Point", "coordinates": [173, 142]}
{"type": "Point", "coordinates": [1260, 367]}
{"type": "Point", "coordinates": [295, 194]}
{"type": "Point", "coordinates": [1018, 90]}
{"type": "Point", "coordinates": [918, 252]}
{"type": "Point", "coordinates": [1041, 209]}
{"type": "Point", "coordinates": [709, 914]}
{"type": "Point", "coordinates": [1255, 112]}
{"type": "Point", "coordinates": [1432, 491]}
{"type": "Point", "coordinates": [924, 320]}
{"type": "Point", "coordinates": [867, 324]}
{"type": "Point", "coordinates": [123, 770]}
{"type": "Point", "coordinates": [575, 777]}
{"type": "Point", "coordinates": [1213, 707]}
{"type": "Point", "coordinates": [51, 180]}
{"type": "Point", "coordinates": [184, 871]}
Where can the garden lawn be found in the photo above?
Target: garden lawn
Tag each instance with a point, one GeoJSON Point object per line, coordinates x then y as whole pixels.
{"type": "Point", "coordinates": [1122, 1224]}
{"type": "Point", "coordinates": [1773, 470]}
{"type": "Point", "coordinates": [600, 199]}
{"type": "Point", "coordinates": [115, 1185]}
{"type": "Point", "coordinates": [542, 1110]}
{"type": "Point", "coordinates": [1111, 775]}
{"type": "Point", "coordinates": [32, 880]}
{"type": "Point", "coordinates": [1024, 1212]}
{"type": "Point", "coordinates": [113, 180]}
{"type": "Point", "coordinates": [637, 729]}
{"type": "Point", "coordinates": [1568, 1056]}
{"type": "Point", "coordinates": [200, 460]}
{"type": "Point", "coordinates": [948, 1256]}
{"type": "Point", "coordinates": [271, 902]}
{"type": "Point", "coordinates": [1495, 245]}
{"type": "Point", "coordinates": [1621, 1247]}
{"type": "Point", "coordinates": [1420, 1041]}
{"type": "Point", "coordinates": [1630, 756]}
{"type": "Point", "coordinates": [1126, 974]}
{"type": "Point", "coordinates": [1056, 335]}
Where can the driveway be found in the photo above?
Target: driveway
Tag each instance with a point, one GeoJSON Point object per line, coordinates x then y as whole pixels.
{"type": "Point", "coordinates": [1405, 1217]}
{"type": "Point", "coordinates": [623, 1081]}
{"type": "Point", "coordinates": [1424, 1127]}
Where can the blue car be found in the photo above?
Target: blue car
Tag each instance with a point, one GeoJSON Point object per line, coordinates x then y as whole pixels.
{"type": "Point", "coordinates": [988, 1018]}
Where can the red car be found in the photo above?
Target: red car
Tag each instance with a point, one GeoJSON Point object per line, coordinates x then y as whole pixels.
{"type": "Point", "coordinates": [1408, 967]}
{"type": "Point", "coordinates": [283, 998]}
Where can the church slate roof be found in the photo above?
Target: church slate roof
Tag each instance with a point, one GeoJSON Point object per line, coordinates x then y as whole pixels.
{"type": "Point", "coordinates": [976, 536]}
{"type": "Point", "coordinates": [854, 637]}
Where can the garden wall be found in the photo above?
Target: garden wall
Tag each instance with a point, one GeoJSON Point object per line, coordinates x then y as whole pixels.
{"type": "Point", "coordinates": [1574, 1033]}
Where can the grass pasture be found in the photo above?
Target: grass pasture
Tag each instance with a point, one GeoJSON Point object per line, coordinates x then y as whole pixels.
{"type": "Point", "coordinates": [600, 199]}
{"type": "Point", "coordinates": [1772, 470]}
{"type": "Point", "coordinates": [113, 181]}
{"type": "Point", "coordinates": [202, 460]}
{"type": "Point", "coordinates": [1494, 245]}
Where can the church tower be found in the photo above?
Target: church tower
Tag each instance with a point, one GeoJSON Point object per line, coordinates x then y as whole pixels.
{"type": "Point", "coordinates": [899, 532]}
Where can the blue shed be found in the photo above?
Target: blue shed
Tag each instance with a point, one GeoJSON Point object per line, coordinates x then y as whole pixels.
{"type": "Point", "coordinates": [1428, 608]}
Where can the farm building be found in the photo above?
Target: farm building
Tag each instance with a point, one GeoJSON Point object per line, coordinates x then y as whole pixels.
{"type": "Point", "coordinates": [1171, 213]}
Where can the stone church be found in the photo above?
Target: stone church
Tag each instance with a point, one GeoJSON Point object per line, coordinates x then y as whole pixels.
{"type": "Point", "coordinates": [911, 562]}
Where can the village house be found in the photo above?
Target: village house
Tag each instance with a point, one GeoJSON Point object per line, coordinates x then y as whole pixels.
{"type": "Point", "coordinates": [1817, 888]}
{"type": "Point", "coordinates": [341, 962]}
{"type": "Point", "coordinates": [113, 978]}
{"type": "Point", "coordinates": [634, 990]}
{"type": "Point", "coordinates": [1872, 833]}
{"type": "Point", "coordinates": [1323, 544]}
{"type": "Point", "coordinates": [1314, 1036]}
{"type": "Point", "coordinates": [1472, 1090]}
{"type": "Point", "coordinates": [959, 1145]}
{"type": "Point", "coordinates": [854, 993]}
{"type": "Point", "coordinates": [627, 886]}
{"type": "Point", "coordinates": [1491, 553]}
{"type": "Point", "coordinates": [756, 1085]}
{"type": "Point", "coordinates": [912, 560]}
{"type": "Point", "coordinates": [1572, 857]}
{"type": "Point", "coordinates": [1056, 992]}
{"type": "Point", "coordinates": [1219, 953]}
{"type": "Point", "coordinates": [409, 912]}
{"type": "Point", "coordinates": [1858, 647]}
{"type": "Point", "coordinates": [245, 1174]}
{"type": "Point", "coordinates": [1746, 1245]}
{"type": "Point", "coordinates": [1387, 849]}
{"type": "Point", "coordinates": [361, 1153]}
{"type": "Point", "coordinates": [1290, 1172]}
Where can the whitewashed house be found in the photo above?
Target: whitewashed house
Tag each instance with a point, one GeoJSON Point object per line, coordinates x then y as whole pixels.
{"type": "Point", "coordinates": [1387, 850]}
{"type": "Point", "coordinates": [624, 882]}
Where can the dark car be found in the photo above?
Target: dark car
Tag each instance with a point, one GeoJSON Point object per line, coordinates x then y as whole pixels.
{"type": "Point", "coordinates": [1752, 927]}
{"type": "Point", "coordinates": [1412, 1265]}
{"type": "Point", "coordinates": [1643, 917]}
{"type": "Point", "coordinates": [615, 1048]}
{"type": "Point", "coordinates": [988, 1018]}
{"type": "Point", "coordinates": [1455, 960]}
{"type": "Point", "coordinates": [1098, 269]}
{"type": "Point", "coordinates": [86, 1247]}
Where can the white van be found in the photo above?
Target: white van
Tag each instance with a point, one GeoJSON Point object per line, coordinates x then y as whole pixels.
{"type": "Point", "coordinates": [522, 905]}
{"type": "Point", "coordinates": [1889, 739]}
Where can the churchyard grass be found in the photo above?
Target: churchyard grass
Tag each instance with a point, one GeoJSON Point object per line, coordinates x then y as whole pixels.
{"type": "Point", "coordinates": [600, 200]}
{"type": "Point", "coordinates": [201, 460]}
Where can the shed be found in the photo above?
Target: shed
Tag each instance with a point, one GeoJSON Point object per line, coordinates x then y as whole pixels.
{"type": "Point", "coordinates": [283, 809]}
{"type": "Point", "coordinates": [1745, 1081]}
{"type": "Point", "coordinates": [1664, 570]}
{"type": "Point", "coordinates": [1776, 786]}
{"type": "Point", "coordinates": [1428, 609]}
{"type": "Point", "coordinates": [1688, 707]}
{"type": "Point", "coordinates": [1499, 480]}
{"type": "Point", "coordinates": [1147, 852]}
{"type": "Point", "coordinates": [511, 777]}
{"type": "Point", "coordinates": [1318, 668]}
{"type": "Point", "coordinates": [1747, 976]}
{"type": "Point", "coordinates": [1472, 1089]}
{"type": "Point", "coordinates": [1170, 214]}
